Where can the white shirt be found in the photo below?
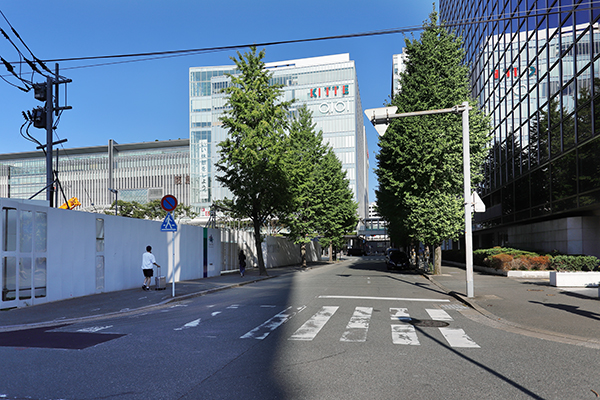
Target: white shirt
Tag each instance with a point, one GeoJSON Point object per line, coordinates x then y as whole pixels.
{"type": "Point", "coordinates": [148, 260]}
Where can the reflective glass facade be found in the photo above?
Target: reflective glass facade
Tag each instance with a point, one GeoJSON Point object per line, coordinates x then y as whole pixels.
{"type": "Point", "coordinates": [327, 85]}
{"type": "Point", "coordinates": [535, 68]}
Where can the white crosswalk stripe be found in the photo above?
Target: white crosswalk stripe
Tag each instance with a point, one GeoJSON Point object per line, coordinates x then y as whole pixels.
{"type": "Point", "coordinates": [263, 330]}
{"type": "Point", "coordinates": [458, 338]}
{"type": "Point", "coordinates": [405, 329]}
{"type": "Point", "coordinates": [438, 315]}
{"type": "Point", "coordinates": [313, 326]}
{"type": "Point", "coordinates": [404, 334]}
{"type": "Point", "coordinates": [397, 314]}
{"type": "Point", "coordinates": [357, 328]}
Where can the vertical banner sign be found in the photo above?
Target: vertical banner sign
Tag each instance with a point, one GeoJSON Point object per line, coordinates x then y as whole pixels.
{"type": "Point", "coordinates": [203, 176]}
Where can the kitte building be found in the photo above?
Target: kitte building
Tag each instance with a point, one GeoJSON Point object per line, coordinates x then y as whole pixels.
{"type": "Point", "coordinates": [327, 85]}
{"type": "Point", "coordinates": [535, 69]}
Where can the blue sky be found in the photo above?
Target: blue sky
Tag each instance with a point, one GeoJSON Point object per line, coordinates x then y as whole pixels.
{"type": "Point", "coordinates": [148, 100]}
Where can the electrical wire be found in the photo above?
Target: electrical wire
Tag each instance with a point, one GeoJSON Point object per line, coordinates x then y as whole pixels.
{"type": "Point", "coordinates": [178, 53]}
{"type": "Point", "coordinates": [41, 63]}
{"type": "Point", "coordinates": [454, 23]}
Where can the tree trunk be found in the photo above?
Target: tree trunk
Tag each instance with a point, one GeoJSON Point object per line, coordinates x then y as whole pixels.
{"type": "Point", "coordinates": [330, 252]}
{"type": "Point", "coordinates": [261, 260]}
{"type": "Point", "coordinates": [437, 260]}
{"type": "Point", "coordinates": [303, 254]}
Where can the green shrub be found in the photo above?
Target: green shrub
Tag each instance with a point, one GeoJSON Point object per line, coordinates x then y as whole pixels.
{"type": "Point", "coordinates": [575, 263]}
{"type": "Point", "coordinates": [506, 258]}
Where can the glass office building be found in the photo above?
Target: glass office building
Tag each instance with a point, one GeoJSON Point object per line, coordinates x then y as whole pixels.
{"type": "Point", "coordinates": [327, 85]}
{"type": "Point", "coordinates": [535, 68]}
{"type": "Point", "coordinates": [140, 172]}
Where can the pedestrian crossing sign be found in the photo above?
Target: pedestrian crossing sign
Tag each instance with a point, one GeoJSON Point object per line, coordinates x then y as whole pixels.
{"type": "Point", "coordinates": [168, 224]}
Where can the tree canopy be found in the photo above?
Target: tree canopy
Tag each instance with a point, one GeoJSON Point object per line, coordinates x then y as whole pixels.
{"type": "Point", "coordinates": [250, 163]}
{"type": "Point", "coordinates": [420, 163]}
{"type": "Point", "coordinates": [275, 165]}
{"type": "Point", "coordinates": [322, 204]}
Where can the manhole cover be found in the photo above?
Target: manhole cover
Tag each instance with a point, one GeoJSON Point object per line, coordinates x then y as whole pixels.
{"type": "Point", "coordinates": [424, 323]}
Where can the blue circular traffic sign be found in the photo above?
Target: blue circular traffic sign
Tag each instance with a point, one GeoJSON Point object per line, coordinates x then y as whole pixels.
{"type": "Point", "coordinates": [168, 203]}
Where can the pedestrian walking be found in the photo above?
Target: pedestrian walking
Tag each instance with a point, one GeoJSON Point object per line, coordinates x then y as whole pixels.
{"type": "Point", "coordinates": [242, 258]}
{"type": "Point", "coordinates": [148, 263]}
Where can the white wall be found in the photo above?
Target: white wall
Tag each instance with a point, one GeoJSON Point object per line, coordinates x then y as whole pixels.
{"type": "Point", "coordinates": [71, 256]}
{"type": "Point", "coordinates": [279, 251]}
{"type": "Point", "coordinates": [71, 252]}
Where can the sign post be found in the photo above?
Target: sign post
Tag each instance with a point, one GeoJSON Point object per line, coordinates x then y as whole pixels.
{"type": "Point", "coordinates": [169, 203]}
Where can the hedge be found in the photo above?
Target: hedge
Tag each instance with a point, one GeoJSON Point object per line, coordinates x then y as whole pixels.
{"type": "Point", "coordinates": [506, 258]}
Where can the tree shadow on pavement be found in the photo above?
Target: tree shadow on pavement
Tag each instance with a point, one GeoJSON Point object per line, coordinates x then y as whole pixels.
{"type": "Point", "coordinates": [571, 309]}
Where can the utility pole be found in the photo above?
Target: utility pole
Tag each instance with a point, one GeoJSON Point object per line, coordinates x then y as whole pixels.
{"type": "Point", "coordinates": [43, 118]}
{"type": "Point", "coordinates": [49, 130]}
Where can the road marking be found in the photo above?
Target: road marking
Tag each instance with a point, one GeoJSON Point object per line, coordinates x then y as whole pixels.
{"type": "Point", "coordinates": [313, 326]}
{"type": "Point", "coordinates": [358, 326]}
{"type": "Point", "coordinates": [234, 306]}
{"type": "Point", "coordinates": [215, 313]}
{"type": "Point", "coordinates": [191, 324]}
{"type": "Point", "coordinates": [94, 329]}
{"type": "Point", "coordinates": [263, 330]}
{"type": "Point", "coordinates": [438, 315]}
{"type": "Point", "coordinates": [458, 338]}
{"type": "Point", "coordinates": [405, 334]}
{"type": "Point", "coordinates": [381, 298]}
{"type": "Point", "coordinates": [398, 314]}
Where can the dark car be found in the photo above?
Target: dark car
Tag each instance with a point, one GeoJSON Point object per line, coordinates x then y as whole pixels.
{"type": "Point", "coordinates": [397, 259]}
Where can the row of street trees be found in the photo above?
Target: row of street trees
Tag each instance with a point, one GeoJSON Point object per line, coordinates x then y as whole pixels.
{"type": "Point", "coordinates": [276, 165]}
{"type": "Point", "coordinates": [420, 162]}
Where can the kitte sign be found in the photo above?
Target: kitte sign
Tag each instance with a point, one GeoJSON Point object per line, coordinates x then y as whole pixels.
{"type": "Point", "coordinates": [329, 91]}
{"type": "Point", "coordinates": [333, 96]}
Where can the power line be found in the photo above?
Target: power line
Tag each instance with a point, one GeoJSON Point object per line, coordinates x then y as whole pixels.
{"type": "Point", "coordinates": [455, 23]}
{"type": "Point", "coordinates": [184, 52]}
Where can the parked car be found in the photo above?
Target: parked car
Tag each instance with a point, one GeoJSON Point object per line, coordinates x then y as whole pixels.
{"type": "Point", "coordinates": [396, 259]}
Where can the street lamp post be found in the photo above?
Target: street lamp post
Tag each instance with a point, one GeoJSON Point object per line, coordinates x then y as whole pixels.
{"type": "Point", "coordinates": [380, 118]}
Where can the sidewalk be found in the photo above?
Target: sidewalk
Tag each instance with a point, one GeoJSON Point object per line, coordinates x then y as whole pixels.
{"type": "Point", "coordinates": [529, 304]}
{"type": "Point", "coordinates": [104, 305]}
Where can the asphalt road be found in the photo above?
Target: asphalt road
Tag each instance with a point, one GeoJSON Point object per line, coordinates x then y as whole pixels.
{"type": "Point", "coordinates": [346, 331]}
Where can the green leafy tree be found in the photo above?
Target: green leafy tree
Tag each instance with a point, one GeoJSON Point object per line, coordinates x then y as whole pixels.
{"type": "Point", "coordinates": [336, 202]}
{"type": "Point", "coordinates": [305, 152]}
{"type": "Point", "coordinates": [420, 164]}
{"type": "Point", "coordinates": [250, 164]}
{"type": "Point", "coordinates": [323, 204]}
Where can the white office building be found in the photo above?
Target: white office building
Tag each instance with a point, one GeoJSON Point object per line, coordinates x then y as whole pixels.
{"type": "Point", "coordinates": [327, 85]}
